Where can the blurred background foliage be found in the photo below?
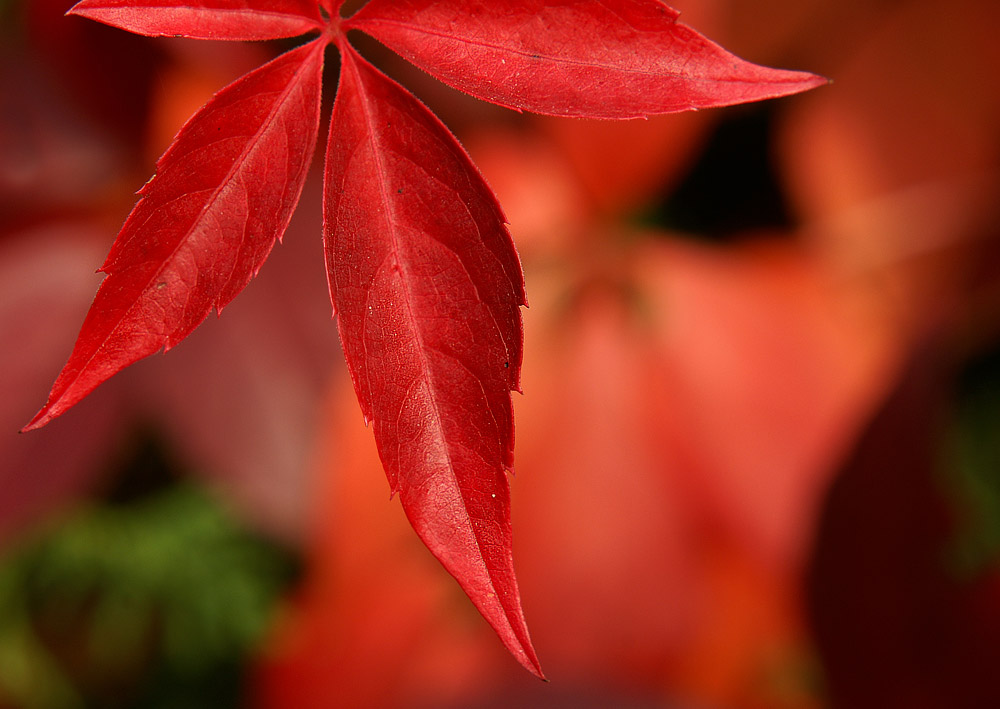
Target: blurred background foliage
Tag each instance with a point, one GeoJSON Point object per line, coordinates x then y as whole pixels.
{"type": "Point", "coordinates": [152, 597]}
{"type": "Point", "coordinates": [971, 465]}
{"type": "Point", "coordinates": [757, 452]}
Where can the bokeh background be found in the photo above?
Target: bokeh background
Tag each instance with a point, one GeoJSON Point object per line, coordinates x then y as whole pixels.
{"type": "Point", "coordinates": [758, 461]}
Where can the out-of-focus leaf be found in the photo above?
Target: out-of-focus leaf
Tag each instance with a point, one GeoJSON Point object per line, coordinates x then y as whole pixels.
{"type": "Point", "coordinates": [973, 458]}
{"type": "Point", "coordinates": [769, 367]}
{"type": "Point", "coordinates": [906, 629]}
{"type": "Point", "coordinates": [48, 157]}
{"type": "Point", "coordinates": [113, 595]}
{"type": "Point", "coordinates": [107, 74]}
{"type": "Point", "coordinates": [624, 165]}
{"type": "Point", "coordinates": [907, 215]}
{"type": "Point", "coordinates": [44, 291]}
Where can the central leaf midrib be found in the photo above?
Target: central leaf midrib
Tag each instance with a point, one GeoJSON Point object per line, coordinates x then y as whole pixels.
{"type": "Point", "coordinates": [571, 61]}
{"type": "Point", "coordinates": [395, 242]}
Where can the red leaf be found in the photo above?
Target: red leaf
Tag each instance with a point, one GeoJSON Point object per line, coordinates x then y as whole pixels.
{"type": "Point", "coordinates": [586, 58]}
{"type": "Point", "coordinates": [223, 192]}
{"type": "Point", "coordinates": [206, 19]}
{"type": "Point", "coordinates": [427, 287]}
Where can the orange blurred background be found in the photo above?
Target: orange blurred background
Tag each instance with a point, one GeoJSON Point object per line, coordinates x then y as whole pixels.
{"type": "Point", "coordinates": [757, 460]}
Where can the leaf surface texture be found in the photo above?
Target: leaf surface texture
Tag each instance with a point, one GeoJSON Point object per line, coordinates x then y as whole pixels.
{"type": "Point", "coordinates": [427, 287]}
{"type": "Point", "coordinates": [206, 19]}
{"type": "Point", "coordinates": [587, 58]}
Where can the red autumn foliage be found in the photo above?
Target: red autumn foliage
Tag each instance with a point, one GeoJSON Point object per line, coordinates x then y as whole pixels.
{"type": "Point", "coordinates": [427, 293]}
{"type": "Point", "coordinates": [656, 560]}
{"type": "Point", "coordinates": [666, 529]}
{"type": "Point", "coordinates": [686, 406]}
